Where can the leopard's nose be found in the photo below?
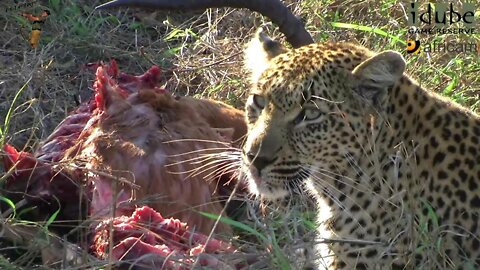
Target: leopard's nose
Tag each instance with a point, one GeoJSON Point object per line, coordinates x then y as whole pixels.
{"type": "Point", "coordinates": [260, 162]}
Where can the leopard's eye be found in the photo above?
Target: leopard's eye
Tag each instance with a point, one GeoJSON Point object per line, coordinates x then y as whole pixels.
{"type": "Point", "coordinates": [300, 117]}
{"type": "Point", "coordinates": [312, 114]}
{"type": "Point", "coordinates": [259, 101]}
{"type": "Point", "coordinates": [307, 115]}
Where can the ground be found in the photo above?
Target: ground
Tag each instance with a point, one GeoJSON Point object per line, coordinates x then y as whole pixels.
{"type": "Point", "coordinates": [201, 54]}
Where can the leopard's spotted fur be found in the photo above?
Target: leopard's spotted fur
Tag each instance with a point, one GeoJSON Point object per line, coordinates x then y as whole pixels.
{"type": "Point", "coordinates": [395, 168]}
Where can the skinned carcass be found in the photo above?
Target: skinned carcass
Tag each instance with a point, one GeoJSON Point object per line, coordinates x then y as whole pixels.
{"type": "Point", "coordinates": [151, 135]}
{"type": "Point", "coordinates": [136, 145]}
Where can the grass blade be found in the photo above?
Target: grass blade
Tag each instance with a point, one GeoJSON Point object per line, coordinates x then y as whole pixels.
{"type": "Point", "coordinates": [52, 218]}
{"type": "Point", "coordinates": [282, 260]}
{"type": "Point", "coordinates": [236, 224]}
{"type": "Point", "coordinates": [4, 130]}
{"type": "Point", "coordinates": [11, 204]}
{"type": "Point", "coordinates": [369, 29]}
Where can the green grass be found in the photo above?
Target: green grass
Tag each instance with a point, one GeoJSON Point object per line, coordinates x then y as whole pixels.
{"type": "Point", "coordinates": [38, 87]}
{"type": "Point", "coordinates": [8, 115]}
{"type": "Point", "coordinates": [279, 258]}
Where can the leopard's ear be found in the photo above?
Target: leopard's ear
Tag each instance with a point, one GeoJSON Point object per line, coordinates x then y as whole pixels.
{"type": "Point", "coordinates": [377, 74]}
{"type": "Point", "coordinates": [259, 51]}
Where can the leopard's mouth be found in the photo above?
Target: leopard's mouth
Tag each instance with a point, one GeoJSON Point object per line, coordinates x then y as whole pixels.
{"type": "Point", "coordinates": [273, 188]}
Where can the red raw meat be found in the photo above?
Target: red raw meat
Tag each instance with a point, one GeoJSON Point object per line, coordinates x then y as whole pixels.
{"type": "Point", "coordinates": [168, 241]}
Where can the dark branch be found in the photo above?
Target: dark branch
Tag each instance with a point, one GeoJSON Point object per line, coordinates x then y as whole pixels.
{"type": "Point", "coordinates": [289, 25]}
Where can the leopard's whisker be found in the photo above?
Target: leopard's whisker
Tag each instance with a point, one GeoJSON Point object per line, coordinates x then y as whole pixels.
{"type": "Point", "coordinates": [326, 100]}
{"type": "Point", "coordinates": [197, 140]}
{"type": "Point", "coordinates": [206, 166]}
{"type": "Point", "coordinates": [203, 157]}
{"type": "Point", "coordinates": [214, 163]}
{"type": "Point", "coordinates": [219, 170]}
{"type": "Point", "coordinates": [326, 190]}
{"type": "Point", "coordinates": [340, 179]}
{"type": "Point", "coordinates": [213, 150]}
{"type": "Point", "coordinates": [223, 169]}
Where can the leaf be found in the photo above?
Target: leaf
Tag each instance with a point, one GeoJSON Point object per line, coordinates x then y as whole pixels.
{"type": "Point", "coordinates": [451, 85]}
{"type": "Point", "coordinates": [54, 4]}
{"type": "Point", "coordinates": [135, 25]}
{"type": "Point", "coordinates": [431, 215]}
{"type": "Point", "coordinates": [175, 33]}
{"type": "Point", "coordinates": [25, 211]}
{"type": "Point", "coordinates": [52, 218]}
{"type": "Point", "coordinates": [236, 224]}
{"type": "Point", "coordinates": [10, 203]}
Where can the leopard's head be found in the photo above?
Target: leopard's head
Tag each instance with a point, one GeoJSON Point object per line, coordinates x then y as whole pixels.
{"type": "Point", "coordinates": [309, 109]}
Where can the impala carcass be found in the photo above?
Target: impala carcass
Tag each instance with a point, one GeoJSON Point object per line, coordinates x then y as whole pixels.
{"type": "Point", "coordinates": [133, 155]}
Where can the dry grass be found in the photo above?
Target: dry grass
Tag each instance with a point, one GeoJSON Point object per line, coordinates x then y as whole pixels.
{"type": "Point", "coordinates": [201, 54]}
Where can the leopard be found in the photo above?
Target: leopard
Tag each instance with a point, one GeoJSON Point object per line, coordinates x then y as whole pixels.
{"type": "Point", "coordinates": [394, 168]}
